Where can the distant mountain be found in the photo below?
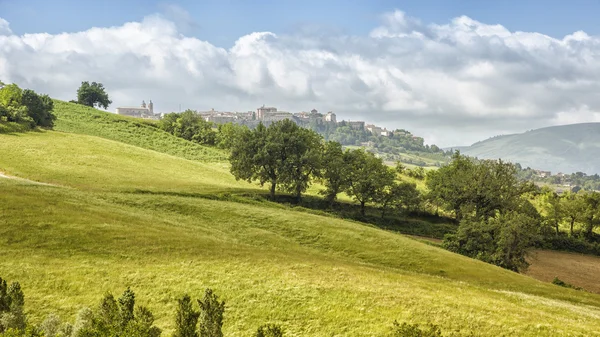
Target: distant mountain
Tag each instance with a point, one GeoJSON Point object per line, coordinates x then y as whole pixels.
{"type": "Point", "coordinates": [565, 148]}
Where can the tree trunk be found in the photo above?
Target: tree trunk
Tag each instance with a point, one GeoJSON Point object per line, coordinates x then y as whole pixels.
{"type": "Point", "coordinates": [298, 197]}
{"type": "Point", "coordinates": [362, 208]}
{"type": "Point", "coordinates": [273, 186]}
{"type": "Point", "coordinates": [557, 230]}
{"type": "Point", "coordinates": [572, 223]}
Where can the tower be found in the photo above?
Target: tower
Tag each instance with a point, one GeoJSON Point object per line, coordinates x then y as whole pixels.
{"type": "Point", "coordinates": [151, 107]}
{"type": "Point", "coordinates": [144, 104]}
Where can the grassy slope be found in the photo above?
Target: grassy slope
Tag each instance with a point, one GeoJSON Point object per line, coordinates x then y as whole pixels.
{"type": "Point", "coordinates": [81, 119]}
{"type": "Point", "coordinates": [315, 275]}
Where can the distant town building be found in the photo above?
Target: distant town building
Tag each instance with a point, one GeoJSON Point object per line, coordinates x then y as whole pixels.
{"type": "Point", "coordinates": [143, 111]}
{"type": "Point", "coordinates": [330, 117]}
{"type": "Point", "coordinates": [357, 125]}
{"type": "Point", "coordinates": [264, 111]}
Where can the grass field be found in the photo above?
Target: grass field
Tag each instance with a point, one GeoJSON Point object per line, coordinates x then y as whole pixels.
{"type": "Point", "coordinates": [577, 269]}
{"type": "Point", "coordinates": [122, 215]}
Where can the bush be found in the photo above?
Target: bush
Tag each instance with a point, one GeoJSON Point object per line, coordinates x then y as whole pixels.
{"type": "Point", "coordinates": [269, 330]}
{"type": "Point", "coordinates": [570, 244]}
{"type": "Point", "coordinates": [415, 330]}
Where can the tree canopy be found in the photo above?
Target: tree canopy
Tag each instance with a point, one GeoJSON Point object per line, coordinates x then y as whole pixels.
{"type": "Point", "coordinates": [93, 95]}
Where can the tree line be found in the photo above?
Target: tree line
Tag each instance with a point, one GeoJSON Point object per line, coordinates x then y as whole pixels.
{"type": "Point", "coordinates": [123, 317]}
{"type": "Point", "coordinates": [25, 107]}
{"type": "Point", "coordinates": [494, 209]}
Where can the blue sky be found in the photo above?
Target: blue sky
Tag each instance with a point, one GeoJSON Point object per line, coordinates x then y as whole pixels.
{"type": "Point", "coordinates": [221, 22]}
{"type": "Point", "coordinates": [454, 72]}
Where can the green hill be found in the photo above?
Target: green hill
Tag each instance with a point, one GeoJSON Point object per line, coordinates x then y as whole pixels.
{"type": "Point", "coordinates": [125, 213]}
{"type": "Point", "coordinates": [565, 148]}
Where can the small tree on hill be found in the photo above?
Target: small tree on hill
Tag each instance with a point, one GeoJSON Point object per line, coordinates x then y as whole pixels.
{"type": "Point", "coordinates": [367, 177]}
{"type": "Point", "coordinates": [186, 318]}
{"type": "Point", "coordinates": [335, 171]}
{"type": "Point", "coordinates": [211, 315]}
{"type": "Point", "coordinates": [269, 330]}
{"type": "Point", "coordinates": [93, 95]}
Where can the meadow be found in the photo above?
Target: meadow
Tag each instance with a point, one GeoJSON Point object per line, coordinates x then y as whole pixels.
{"type": "Point", "coordinates": [128, 208]}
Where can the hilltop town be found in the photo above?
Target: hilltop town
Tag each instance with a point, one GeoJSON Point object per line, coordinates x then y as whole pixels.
{"type": "Point", "coordinates": [265, 115]}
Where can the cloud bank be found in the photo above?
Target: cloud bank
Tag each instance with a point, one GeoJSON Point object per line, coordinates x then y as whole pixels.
{"type": "Point", "coordinates": [453, 83]}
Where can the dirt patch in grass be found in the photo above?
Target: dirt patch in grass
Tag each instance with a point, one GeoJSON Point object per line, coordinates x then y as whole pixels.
{"type": "Point", "coordinates": [577, 269]}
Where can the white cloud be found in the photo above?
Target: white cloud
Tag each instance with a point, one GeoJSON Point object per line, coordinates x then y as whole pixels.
{"type": "Point", "coordinates": [4, 27]}
{"type": "Point", "coordinates": [454, 83]}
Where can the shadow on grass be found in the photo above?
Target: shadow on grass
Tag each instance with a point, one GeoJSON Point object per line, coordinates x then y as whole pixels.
{"type": "Point", "coordinates": [414, 223]}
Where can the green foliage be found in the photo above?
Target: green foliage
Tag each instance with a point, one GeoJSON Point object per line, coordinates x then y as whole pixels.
{"type": "Point", "coordinates": [368, 177]}
{"type": "Point", "coordinates": [283, 155]}
{"type": "Point", "coordinates": [12, 301]}
{"type": "Point", "coordinates": [186, 319]}
{"type": "Point", "coordinates": [75, 118]}
{"type": "Point", "coordinates": [93, 95]}
{"type": "Point", "coordinates": [562, 283]}
{"type": "Point", "coordinates": [335, 168]}
{"type": "Point", "coordinates": [269, 330]}
{"type": "Point", "coordinates": [39, 108]}
{"type": "Point", "coordinates": [228, 134]}
{"type": "Point", "coordinates": [189, 126]}
{"type": "Point", "coordinates": [479, 188]}
{"type": "Point", "coordinates": [404, 196]}
{"type": "Point", "coordinates": [117, 318]}
{"type": "Point", "coordinates": [415, 330]}
{"type": "Point", "coordinates": [502, 240]}
{"type": "Point", "coordinates": [211, 315]}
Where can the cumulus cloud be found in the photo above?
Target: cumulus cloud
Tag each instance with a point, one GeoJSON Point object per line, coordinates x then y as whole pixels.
{"type": "Point", "coordinates": [453, 83]}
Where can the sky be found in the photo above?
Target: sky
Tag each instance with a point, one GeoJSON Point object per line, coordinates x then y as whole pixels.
{"type": "Point", "coordinates": [454, 72]}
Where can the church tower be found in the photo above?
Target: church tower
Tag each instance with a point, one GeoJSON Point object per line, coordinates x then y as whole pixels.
{"type": "Point", "coordinates": [144, 104]}
{"type": "Point", "coordinates": [151, 107]}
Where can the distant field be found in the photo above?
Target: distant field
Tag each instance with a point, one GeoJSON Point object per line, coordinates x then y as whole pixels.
{"type": "Point", "coordinates": [129, 215]}
{"type": "Point", "coordinates": [577, 269]}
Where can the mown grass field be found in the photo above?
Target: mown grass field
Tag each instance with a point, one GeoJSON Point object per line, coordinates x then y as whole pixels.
{"type": "Point", "coordinates": [122, 215]}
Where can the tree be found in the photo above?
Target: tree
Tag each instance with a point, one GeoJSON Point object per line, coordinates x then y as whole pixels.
{"type": "Point", "coordinates": [302, 148]}
{"type": "Point", "coordinates": [553, 209]}
{"type": "Point", "coordinates": [190, 126]}
{"type": "Point", "coordinates": [367, 177]}
{"type": "Point", "coordinates": [591, 213]}
{"type": "Point", "coordinates": [282, 155]}
{"type": "Point", "coordinates": [502, 240]}
{"type": "Point", "coordinates": [12, 302]}
{"type": "Point", "coordinates": [269, 330]}
{"type": "Point", "coordinates": [186, 319]}
{"type": "Point", "coordinates": [228, 135]}
{"type": "Point", "coordinates": [481, 188]}
{"type": "Point", "coordinates": [93, 95]}
{"type": "Point", "coordinates": [39, 108]}
{"type": "Point", "coordinates": [211, 315]}
{"type": "Point", "coordinates": [572, 206]}
{"type": "Point", "coordinates": [335, 171]}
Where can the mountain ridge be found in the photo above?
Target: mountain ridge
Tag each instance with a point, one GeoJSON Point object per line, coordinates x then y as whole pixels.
{"type": "Point", "coordinates": [563, 148]}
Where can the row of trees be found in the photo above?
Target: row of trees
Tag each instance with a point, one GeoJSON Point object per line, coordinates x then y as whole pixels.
{"type": "Point", "coordinates": [25, 107]}
{"type": "Point", "coordinates": [119, 317]}
{"type": "Point", "coordinates": [288, 158]}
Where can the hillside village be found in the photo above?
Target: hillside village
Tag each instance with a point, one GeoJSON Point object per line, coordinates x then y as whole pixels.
{"type": "Point", "coordinates": [267, 116]}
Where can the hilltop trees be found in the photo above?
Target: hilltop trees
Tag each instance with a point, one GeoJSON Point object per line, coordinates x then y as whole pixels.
{"type": "Point", "coordinates": [25, 107]}
{"type": "Point", "coordinates": [283, 155]}
{"type": "Point", "coordinates": [335, 170]}
{"type": "Point", "coordinates": [367, 177]}
{"type": "Point", "coordinates": [190, 126]}
{"type": "Point", "coordinates": [93, 95]}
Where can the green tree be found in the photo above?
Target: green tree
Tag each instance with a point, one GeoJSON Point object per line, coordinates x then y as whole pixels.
{"type": "Point", "coordinates": [367, 177]}
{"type": "Point", "coordinates": [335, 171]}
{"type": "Point", "coordinates": [39, 108]}
{"type": "Point", "coordinates": [502, 240]}
{"type": "Point", "coordinates": [481, 188]}
{"type": "Point", "coordinates": [93, 95]}
{"type": "Point", "coordinates": [211, 315]}
{"type": "Point", "coordinates": [228, 135]}
{"type": "Point", "coordinates": [269, 330]}
{"type": "Point", "coordinates": [553, 210]}
{"type": "Point", "coordinates": [573, 208]}
{"type": "Point", "coordinates": [186, 319]}
{"type": "Point", "coordinates": [190, 126]}
{"type": "Point", "coordinates": [591, 213]}
{"type": "Point", "coordinates": [283, 155]}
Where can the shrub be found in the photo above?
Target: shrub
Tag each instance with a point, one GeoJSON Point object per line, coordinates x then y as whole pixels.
{"type": "Point", "coordinates": [415, 330]}
{"type": "Point", "coordinates": [269, 330]}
